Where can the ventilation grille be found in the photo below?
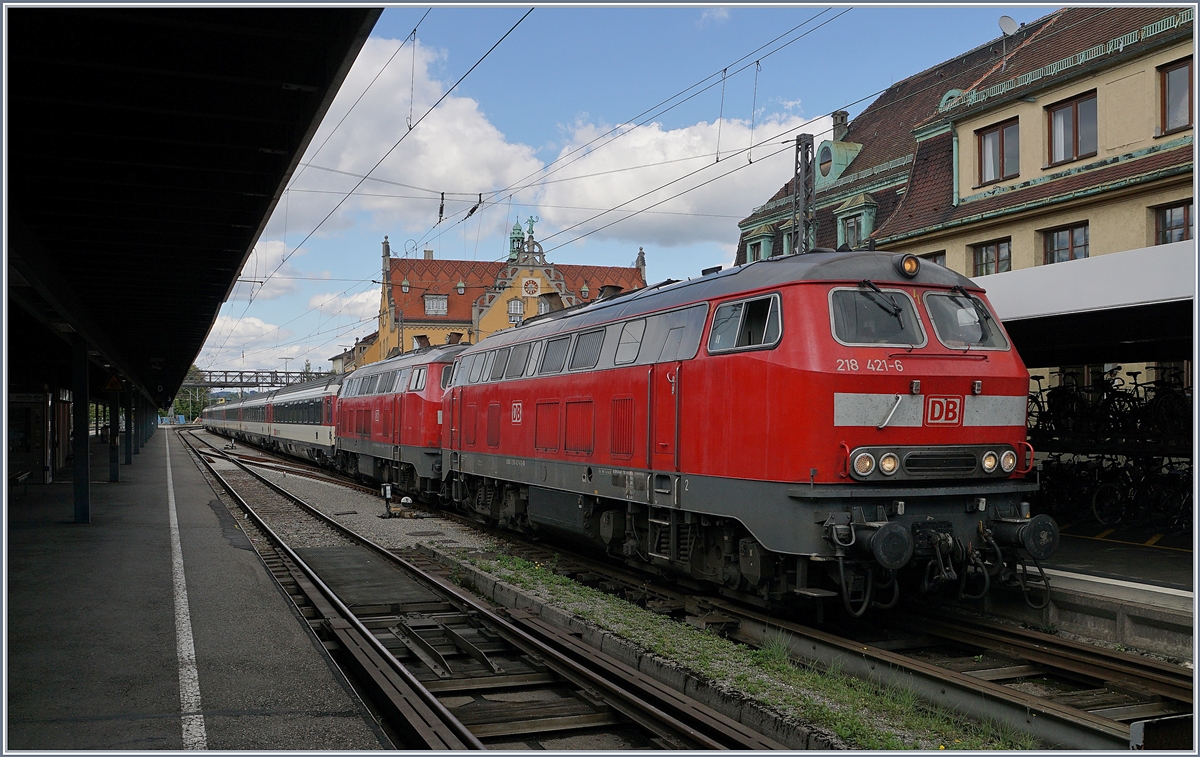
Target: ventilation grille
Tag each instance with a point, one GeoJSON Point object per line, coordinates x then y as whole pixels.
{"type": "Point", "coordinates": [939, 463]}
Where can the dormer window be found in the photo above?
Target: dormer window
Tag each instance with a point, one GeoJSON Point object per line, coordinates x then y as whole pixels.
{"type": "Point", "coordinates": [758, 243]}
{"type": "Point", "coordinates": [436, 304]}
{"type": "Point", "coordinates": [825, 160]}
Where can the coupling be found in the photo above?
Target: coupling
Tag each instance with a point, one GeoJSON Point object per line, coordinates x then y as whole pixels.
{"type": "Point", "coordinates": [1038, 535]}
{"type": "Point", "coordinates": [891, 544]}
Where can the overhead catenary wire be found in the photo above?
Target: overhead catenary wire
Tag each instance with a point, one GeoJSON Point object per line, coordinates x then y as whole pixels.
{"type": "Point", "coordinates": [385, 156]}
{"type": "Point", "coordinates": [753, 144]}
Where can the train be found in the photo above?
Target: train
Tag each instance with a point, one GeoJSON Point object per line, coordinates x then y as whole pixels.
{"type": "Point", "coordinates": [796, 428]}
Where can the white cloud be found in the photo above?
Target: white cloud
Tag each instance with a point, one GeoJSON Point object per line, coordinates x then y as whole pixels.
{"type": "Point", "coordinates": [713, 16]}
{"type": "Point", "coordinates": [709, 212]}
{"type": "Point", "coordinates": [244, 344]}
{"type": "Point", "coordinates": [263, 260]}
{"type": "Point", "coordinates": [347, 308]}
{"type": "Point", "coordinates": [455, 149]}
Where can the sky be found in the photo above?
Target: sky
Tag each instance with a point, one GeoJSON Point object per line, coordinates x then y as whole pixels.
{"type": "Point", "coordinates": [614, 128]}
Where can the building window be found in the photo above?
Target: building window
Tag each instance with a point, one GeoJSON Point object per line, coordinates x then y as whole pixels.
{"type": "Point", "coordinates": [852, 231]}
{"type": "Point", "coordinates": [993, 257]}
{"type": "Point", "coordinates": [1072, 129]}
{"type": "Point", "coordinates": [436, 304]}
{"type": "Point", "coordinates": [1176, 95]}
{"type": "Point", "coordinates": [938, 257]}
{"type": "Point", "coordinates": [1173, 223]}
{"type": "Point", "coordinates": [516, 310]}
{"type": "Point", "coordinates": [543, 307]}
{"type": "Point", "coordinates": [753, 251]}
{"type": "Point", "coordinates": [999, 152]}
{"type": "Point", "coordinates": [1070, 243]}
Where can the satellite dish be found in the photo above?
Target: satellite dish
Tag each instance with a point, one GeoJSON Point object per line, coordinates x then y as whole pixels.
{"type": "Point", "coordinates": [1008, 25]}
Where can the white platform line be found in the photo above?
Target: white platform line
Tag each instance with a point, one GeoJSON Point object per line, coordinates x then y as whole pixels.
{"type": "Point", "coordinates": [189, 679]}
{"type": "Point", "coordinates": [1117, 582]}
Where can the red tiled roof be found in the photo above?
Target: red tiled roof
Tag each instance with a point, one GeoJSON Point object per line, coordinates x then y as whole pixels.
{"type": "Point", "coordinates": [927, 203]}
{"type": "Point", "coordinates": [885, 127]}
{"type": "Point", "coordinates": [442, 277]}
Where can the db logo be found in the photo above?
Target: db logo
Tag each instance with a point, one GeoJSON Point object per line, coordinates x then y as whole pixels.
{"type": "Point", "coordinates": [516, 413]}
{"type": "Point", "coordinates": [943, 411]}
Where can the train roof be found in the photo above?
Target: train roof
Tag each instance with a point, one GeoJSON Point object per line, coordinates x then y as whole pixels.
{"type": "Point", "coordinates": [818, 265]}
{"type": "Point", "coordinates": [442, 353]}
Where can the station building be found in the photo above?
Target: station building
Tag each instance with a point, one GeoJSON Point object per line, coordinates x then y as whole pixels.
{"type": "Point", "coordinates": [1070, 138]}
{"type": "Point", "coordinates": [426, 301]}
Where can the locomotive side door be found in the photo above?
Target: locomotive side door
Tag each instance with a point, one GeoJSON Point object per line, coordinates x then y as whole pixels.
{"type": "Point", "coordinates": [664, 413]}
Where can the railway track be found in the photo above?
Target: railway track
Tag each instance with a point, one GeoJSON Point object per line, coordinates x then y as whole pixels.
{"type": "Point", "coordinates": [1066, 694]}
{"type": "Point", "coordinates": [440, 668]}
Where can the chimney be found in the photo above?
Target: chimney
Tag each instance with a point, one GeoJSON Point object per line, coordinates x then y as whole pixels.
{"type": "Point", "coordinates": [429, 254]}
{"type": "Point", "coordinates": [839, 125]}
{"type": "Point", "coordinates": [609, 290]}
{"type": "Point", "coordinates": [422, 341]}
{"type": "Point", "coordinates": [454, 337]}
{"type": "Point", "coordinates": [553, 301]}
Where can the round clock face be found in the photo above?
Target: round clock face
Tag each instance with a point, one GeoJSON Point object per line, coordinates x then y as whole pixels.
{"type": "Point", "coordinates": [531, 287]}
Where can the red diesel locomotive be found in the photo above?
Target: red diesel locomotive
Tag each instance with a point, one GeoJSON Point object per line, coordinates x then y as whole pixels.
{"type": "Point", "coordinates": [802, 426]}
{"type": "Point", "coordinates": [787, 427]}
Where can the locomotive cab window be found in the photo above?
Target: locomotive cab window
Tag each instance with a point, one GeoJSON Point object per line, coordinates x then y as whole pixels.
{"type": "Point", "coordinates": [745, 325]}
{"type": "Point", "coordinates": [962, 321]}
{"type": "Point", "coordinates": [630, 342]}
{"type": "Point", "coordinates": [499, 364]}
{"type": "Point", "coordinates": [867, 315]}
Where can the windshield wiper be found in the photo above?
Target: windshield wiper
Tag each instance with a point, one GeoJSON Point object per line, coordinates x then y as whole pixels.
{"type": "Point", "coordinates": [877, 295]}
{"type": "Point", "coordinates": [980, 312]}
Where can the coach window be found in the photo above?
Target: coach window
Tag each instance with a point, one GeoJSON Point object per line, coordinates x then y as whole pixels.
{"type": "Point", "coordinates": [517, 361]}
{"type": "Point", "coordinates": [630, 342]}
{"type": "Point", "coordinates": [371, 382]}
{"type": "Point", "coordinates": [556, 355]}
{"type": "Point", "coordinates": [587, 350]}
{"type": "Point", "coordinates": [447, 374]}
{"type": "Point", "coordinates": [499, 364]}
{"type": "Point", "coordinates": [868, 315]}
{"type": "Point", "coordinates": [745, 325]}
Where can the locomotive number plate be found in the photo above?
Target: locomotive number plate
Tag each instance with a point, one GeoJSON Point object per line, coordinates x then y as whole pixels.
{"type": "Point", "coordinates": [874, 364]}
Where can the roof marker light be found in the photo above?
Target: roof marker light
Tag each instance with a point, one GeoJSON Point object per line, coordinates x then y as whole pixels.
{"type": "Point", "coordinates": [908, 265]}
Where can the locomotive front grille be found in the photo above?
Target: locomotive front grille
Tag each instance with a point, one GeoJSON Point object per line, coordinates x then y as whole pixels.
{"type": "Point", "coordinates": [938, 463]}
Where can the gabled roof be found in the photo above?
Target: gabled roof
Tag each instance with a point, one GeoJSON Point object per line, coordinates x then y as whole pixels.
{"type": "Point", "coordinates": [885, 128]}
{"type": "Point", "coordinates": [442, 277]}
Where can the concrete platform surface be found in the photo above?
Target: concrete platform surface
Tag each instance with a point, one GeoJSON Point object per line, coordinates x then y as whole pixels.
{"type": "Point", "coordinates": [93, 654]}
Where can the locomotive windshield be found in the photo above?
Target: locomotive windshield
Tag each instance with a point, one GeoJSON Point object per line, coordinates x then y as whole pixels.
{"type": "Point", "coordinates": [875, 316]}
{"type": "Point", "coordinates": [962, 321]}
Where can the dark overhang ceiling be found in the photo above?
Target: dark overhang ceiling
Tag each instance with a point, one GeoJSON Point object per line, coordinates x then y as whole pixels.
{"type": "Point", "coordinates": [146, 151]}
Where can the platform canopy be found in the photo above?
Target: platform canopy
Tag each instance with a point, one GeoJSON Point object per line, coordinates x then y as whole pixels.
{"type": "Point", "coordinates": [146, 149]}
{"type": "Point", "coordinates": [1130, 306]}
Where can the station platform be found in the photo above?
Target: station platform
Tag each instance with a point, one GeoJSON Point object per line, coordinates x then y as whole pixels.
{"type": "Point", "coordinates": [97, 653]}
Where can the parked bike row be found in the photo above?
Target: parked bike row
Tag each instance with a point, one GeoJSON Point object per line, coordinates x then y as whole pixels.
{"type": "Point", "coordinates": [1112, 411]}
{"type": "Point", "coordinates": [1113, 490]}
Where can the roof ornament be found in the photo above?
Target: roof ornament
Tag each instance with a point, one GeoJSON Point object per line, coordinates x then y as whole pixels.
{"type": "Point", "coordinates": [532, 220]}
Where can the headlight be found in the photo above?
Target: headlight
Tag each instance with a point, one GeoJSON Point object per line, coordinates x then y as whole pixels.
{"type": "Point", "coordinates": [989, 461]}
{"type": "Point", "coordinates": [908, 265]}
{"type": "Point", "coordinates": [1008, 461]}
{"type": "Point", "coordinates": [864, 463]}
{"type": "Point", "coordinates": [888, 464]}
